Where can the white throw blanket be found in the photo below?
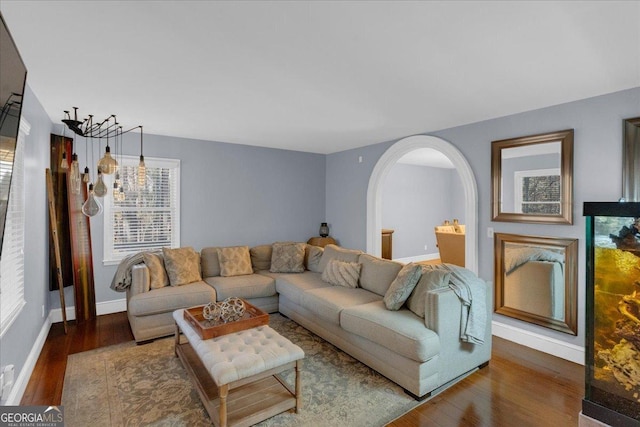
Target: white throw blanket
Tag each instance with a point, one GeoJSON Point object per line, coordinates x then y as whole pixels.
{"type": "Point", "coordinates": [471, 290]}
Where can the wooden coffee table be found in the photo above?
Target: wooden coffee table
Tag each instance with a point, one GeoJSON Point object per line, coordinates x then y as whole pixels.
{"type": "Point", "coordinates": [237, 375]}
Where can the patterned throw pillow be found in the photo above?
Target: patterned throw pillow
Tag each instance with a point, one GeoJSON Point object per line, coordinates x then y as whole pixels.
{"type": "Point", "coordinates": [402, 286]}
{"type": "Point", "coordinates": [287, 257]}
{"type": "Point", "coordinates": [182, 265]}
{"type": "Point", "coordinates": [157, 274]}
{"type": "Point", "coordinates": [234, 261]}
{"type": "Point", "coordinates": [340, 273]}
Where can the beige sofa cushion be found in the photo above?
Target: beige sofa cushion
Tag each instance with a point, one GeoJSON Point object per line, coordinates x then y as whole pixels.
{"type": "Point", "coordinates": [400, 331]}
{"type": "Point", "coordinates": [327, 303]}
{"type": "Point", "coordinates": [431, 279]}
{"type": "Point", "coordinates": [260, 257]}
{"type": "Point", "coordinates": [339, 273]}
{"type": "Point", "coordinates": [377, 273]}
{"type": "Point", "coordinates": [210, 262]}
{"type": "Point", "coordinates": [402, 286]}
{"type": "Point", "coordinates": [234, 261]}
{"type": "Point", "coordinates": [182, 265]}
{"type": "Point", "coordinates": [287, 257]}
{"type": "Point", "coordinates": [244, 286]}
{"type": "Point", "coordinates": [336, 252]}
{"type": "Point", "coordinates": [157, 274]}
{"type": "Point", "coordinates": [170, 298]}
{"type": "Point", "coordinates": [312, 257]}
{"type": "Point", "coordinates": [292, 286]}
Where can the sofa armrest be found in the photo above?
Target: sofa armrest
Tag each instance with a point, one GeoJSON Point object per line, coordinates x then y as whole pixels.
{"type": "Point", "coordinates": [140, 280]}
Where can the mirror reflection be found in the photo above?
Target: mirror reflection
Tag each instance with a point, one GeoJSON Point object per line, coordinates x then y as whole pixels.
{"type": "Point", "coordinates": [536, 280]}
{"type": "Point", "coordinates": [532, 178]}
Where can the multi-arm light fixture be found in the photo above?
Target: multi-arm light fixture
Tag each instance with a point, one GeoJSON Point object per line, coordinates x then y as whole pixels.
{"type": "Point", "coordinates": [107, 129]}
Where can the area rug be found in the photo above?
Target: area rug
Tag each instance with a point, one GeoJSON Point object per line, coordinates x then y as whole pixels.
{"type": "Point", "coordinates": [146, 385]}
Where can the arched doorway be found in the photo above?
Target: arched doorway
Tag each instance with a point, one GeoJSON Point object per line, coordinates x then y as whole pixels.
{"type": "Point", "coordinates": [386, 162]}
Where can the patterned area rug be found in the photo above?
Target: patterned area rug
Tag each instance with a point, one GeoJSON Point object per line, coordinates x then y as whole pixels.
{"type": "Point", "coordinates": [146, 385]}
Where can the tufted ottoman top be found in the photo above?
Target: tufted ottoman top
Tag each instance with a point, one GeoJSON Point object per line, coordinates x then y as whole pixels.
{"type": "Point", "coordinates": [242, 354]}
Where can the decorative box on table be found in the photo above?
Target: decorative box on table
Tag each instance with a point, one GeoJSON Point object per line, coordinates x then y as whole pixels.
{"type": "Point", "coordinates": [612, 360]}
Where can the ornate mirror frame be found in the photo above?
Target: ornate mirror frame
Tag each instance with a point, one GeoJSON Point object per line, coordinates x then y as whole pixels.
{"type": "Point", "coordinates": [565, 140]}
{"type": "Point", "coordinates": [567, 325]}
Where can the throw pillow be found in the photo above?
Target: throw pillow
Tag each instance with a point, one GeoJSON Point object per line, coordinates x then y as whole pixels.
{"type": "Point", "coordinates": [287, 257]}
{"type": "Point", "coordinates": [261, 257]}
{"type": "Point", "coordinates": [312, 257]}
{"type": "Point", "coordinates": [337, 253]}
{"type": "Point", "coordinates": [431, 279]}
{"type": "Point", "coordinates": [234, 261]}
{"type": "Point", "coordinates": [210, 262]}
{"type": "Point", "coordinates": [377, 274]}
{"type": "Point", "coordinates": [340, 273]}
{"type": "Point", "coordinates": [157, 274]}
{"type": "Point", "coordinates": [182, 265]}
{"type": "Point", "coordinates": [402, 286]}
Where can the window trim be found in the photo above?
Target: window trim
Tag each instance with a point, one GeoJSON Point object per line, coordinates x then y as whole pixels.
{"type": "Point", "coordinates": [519, 176]}
{"type": "Point", "coordinates": [150, 162]}
{"type": "Point", "coordinates": [17, 305]}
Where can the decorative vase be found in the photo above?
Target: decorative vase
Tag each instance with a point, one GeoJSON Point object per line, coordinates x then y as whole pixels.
{"type": "Point", "coordinates": [324, 229]}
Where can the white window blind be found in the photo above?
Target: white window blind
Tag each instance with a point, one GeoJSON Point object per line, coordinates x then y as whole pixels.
{"type": "Point", "coordinates": [149, 216]}
{"type": "Point", "coordinates": [538, 191]}
{"type": "Point", "coordinates": [12, 259]}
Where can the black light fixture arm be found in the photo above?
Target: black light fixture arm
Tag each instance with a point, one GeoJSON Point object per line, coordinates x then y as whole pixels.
{"type": "Point", "coordinates": [89, 129]}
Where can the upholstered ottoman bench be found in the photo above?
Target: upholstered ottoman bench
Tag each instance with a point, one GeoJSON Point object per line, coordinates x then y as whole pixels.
{"type": "Point", "coordinates": [237, 375]}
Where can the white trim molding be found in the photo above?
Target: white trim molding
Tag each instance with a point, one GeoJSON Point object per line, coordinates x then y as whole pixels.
{"type": "Point", "coordinates": [107, 307]}
{"type": "Point", "coordinates": [389, 159]}
{"type": "Point", "coordinates": [561, 349]}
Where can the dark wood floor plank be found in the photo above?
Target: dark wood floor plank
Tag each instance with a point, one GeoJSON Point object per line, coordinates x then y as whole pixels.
{"type": "Point", "coordinates": [520, 387]}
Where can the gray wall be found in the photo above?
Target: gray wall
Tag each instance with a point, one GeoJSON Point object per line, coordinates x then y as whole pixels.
{"type": "Point", "coordinates": [414, 200]}
{"type": "Point", "coordinates": [516, 164]}
{"type": "Point", "coordinates": [230, 195]}
{"type": "Point", "coordinates": [18, 341]}
{"type": "Point", "coordinates": [597, 177]}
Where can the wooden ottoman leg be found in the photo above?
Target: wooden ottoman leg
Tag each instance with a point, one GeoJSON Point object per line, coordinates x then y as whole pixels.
{"type": "Point", "coordinates": [223, 391]}
{"type": "Point", "coordinates": [298, 386]}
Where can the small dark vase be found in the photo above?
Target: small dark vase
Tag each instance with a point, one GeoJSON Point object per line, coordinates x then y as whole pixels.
{"type": "Point", "coordinates": [324, 229]}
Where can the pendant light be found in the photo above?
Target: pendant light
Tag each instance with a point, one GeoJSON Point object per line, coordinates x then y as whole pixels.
{"type": "Point", "coordinates": [75, 179]}
{"type": "Point", "coordinates": [142, 169]}
{"type": "Point", "coordinates": [91, 206]}
{"type": "Point", "coordinates": [100, 189]}
{"type": "Point", "coordinates": [107, 164]}
{"type": "Point", "coordinates": [64, 163]}
{"type": "Point", "coordinates": [85, 176]}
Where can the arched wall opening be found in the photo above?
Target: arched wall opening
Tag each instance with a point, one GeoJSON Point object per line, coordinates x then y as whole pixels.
{"type": "Point", "coordinates": [381, 170]}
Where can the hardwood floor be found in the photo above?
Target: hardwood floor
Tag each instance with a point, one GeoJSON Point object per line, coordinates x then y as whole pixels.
{"type": "Point", "coordinates": [520, 387]}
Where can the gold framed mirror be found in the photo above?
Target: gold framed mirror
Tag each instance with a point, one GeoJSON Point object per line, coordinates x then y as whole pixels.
{"type": "Point", "coordinates": [631, 153]}
{"type": "Point", "coordinates": [536, 280]}
{"type": "Point", "coordinates": [532, 178]}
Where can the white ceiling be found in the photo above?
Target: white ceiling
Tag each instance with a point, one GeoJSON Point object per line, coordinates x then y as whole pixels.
{"type": "Point", "coordinates": [320, 76]}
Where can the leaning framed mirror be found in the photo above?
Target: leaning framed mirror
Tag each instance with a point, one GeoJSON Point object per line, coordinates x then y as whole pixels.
{"type": "Point", "coordinates": [631, 154]}
{"type": "Point", "coordinates": [536, 280]}
{"type": "Point", "coordinates": [532, 178]}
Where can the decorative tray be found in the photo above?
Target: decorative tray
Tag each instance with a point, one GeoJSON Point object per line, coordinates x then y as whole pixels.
{"type": "Point", "coordinates": [252, 318]}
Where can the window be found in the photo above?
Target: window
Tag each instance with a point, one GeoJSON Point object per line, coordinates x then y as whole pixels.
{"type": "Point", "coordinates": [12, 261]}
{"type": "Point", "coordinates": [538, 191]}
{"type": "Point", "coordinates": [148, 217]}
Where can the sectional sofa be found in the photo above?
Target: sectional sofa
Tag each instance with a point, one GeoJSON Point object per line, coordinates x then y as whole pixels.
{"type": "Point", "coordinates": [432, 334]}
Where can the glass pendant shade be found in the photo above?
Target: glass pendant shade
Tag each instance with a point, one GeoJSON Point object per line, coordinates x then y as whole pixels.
{"type": "Point", "coordinates": [91, 206]}
{"type": "Point", "coordinates": [75, 179]}
{"type": "Point", "coordinates": [142, 172]}
{"type": "Point", "coordinates": [107, 164]}
{"type": "Point", "coordinates": [100, 188]}
{"type": "Point", "coordinates": [64, 164]}
{"type": "Point", "coordinates": [85, 175]}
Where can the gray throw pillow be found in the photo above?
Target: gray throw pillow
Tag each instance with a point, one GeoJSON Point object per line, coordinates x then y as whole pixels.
{"type": "Point", "coordinates": [287, 257]}
{"type": "Point", "coordinates": [402, 286]}
{"type": "Point", "coordinates": [340, 273]}
{"type": "Point", "coordinates": [261, 257]}
{"type": "Point", "coordinates": [431, 279]}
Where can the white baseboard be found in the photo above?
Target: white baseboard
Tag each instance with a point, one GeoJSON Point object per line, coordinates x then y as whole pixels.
{"type": "Point", "coordinates": [107, 307]}
{"type": "Point", "coordinates": [561, 349]}
{"type": "Point", "coordinates": [418, 258]}
{"type": "Point", "coordinates": [20, 385]}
